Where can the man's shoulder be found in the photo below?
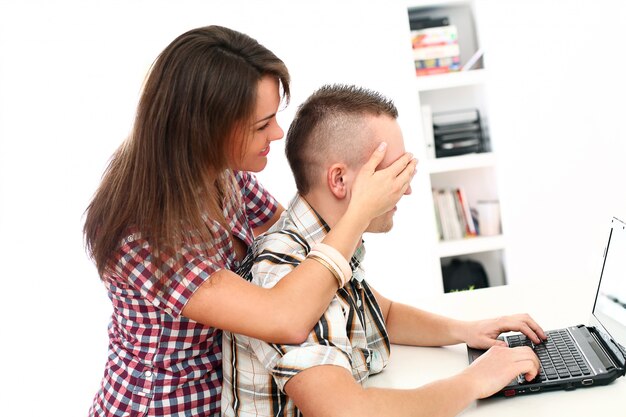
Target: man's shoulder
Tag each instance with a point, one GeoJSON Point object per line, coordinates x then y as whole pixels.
{"type": "Point", "coordinates": [275, 254]}
{"type": "Point", "coordinates": [286, 241]}
{"type": "Point", "coordinates": [283, 237]}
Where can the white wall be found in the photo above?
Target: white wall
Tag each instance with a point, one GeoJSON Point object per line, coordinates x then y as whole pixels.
{"type": "Point", "coordinates": [557, 117]}
{"type": "Point", "coordinates": [70, 75]}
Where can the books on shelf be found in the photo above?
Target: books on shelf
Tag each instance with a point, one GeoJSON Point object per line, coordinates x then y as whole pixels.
{"type": "Point", "coordinates": [453, 214]}
{"type": "Point", "coordinates": [435, 48]}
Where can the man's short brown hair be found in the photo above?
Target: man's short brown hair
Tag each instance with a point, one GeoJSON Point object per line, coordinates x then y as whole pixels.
{"type": "Point", "coordinates": [331, 123]}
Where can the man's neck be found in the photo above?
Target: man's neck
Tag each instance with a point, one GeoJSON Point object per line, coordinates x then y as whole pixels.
{"type": "Point", "coordinates": [326, 205]}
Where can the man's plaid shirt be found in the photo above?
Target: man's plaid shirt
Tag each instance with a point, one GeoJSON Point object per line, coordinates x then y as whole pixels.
{"type": "Point", "coordinates": [350, 334]}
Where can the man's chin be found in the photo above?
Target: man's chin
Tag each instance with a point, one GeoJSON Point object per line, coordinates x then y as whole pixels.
{"type": "Point", "coordinates": [380, 228]}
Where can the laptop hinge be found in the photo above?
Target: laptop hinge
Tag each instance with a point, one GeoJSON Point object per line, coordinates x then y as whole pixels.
{"type": "Point", "coordinates": [608, 353]}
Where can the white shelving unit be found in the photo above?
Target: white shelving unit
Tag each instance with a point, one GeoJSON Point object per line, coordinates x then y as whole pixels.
{"type": "Point", "coordinates": [450, 80]}
{"type": "Point", "coordinates": [475, 173]}
{"type": "Point", "coordinates": [460, 163]}
{"type": "Point", "coordinates": [479, 244]}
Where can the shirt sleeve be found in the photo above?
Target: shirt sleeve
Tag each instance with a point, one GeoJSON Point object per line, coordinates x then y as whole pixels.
{"type": "Point", "coordinates": [328, 342]}
{"type": "Point", "coordinates": [260, 204]}
{"type": "Point", "coordinates": [176, 285]}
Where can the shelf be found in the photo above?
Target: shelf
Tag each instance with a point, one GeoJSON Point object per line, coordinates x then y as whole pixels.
{"type": "Point", "coordinates": [429, 4]}
{"type": "Point", "coordinates": [474, 173]}
{"type": "Point", "coordinates": [450, 80]}
{"type": "Point", "coordinates": [461, 162]}
{"type": "Point", "coordinates": [470, 245]}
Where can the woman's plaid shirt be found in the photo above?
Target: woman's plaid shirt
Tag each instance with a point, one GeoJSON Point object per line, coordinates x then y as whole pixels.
{"type": "Point", "coordinates": [161, 363]}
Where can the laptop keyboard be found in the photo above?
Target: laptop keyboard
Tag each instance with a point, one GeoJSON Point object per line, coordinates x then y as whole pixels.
{"type": "Point", "coordinates": [559, 356]}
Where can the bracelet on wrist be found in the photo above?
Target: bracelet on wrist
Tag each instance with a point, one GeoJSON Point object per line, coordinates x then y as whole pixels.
{"type": "Point", "coordinates": [336, 273]}
{"type": "Point", "coordinates": [337, 258]}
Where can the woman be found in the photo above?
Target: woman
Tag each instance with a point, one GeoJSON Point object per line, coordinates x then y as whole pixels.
{"type": "Point", "coordinates": [177, 210]}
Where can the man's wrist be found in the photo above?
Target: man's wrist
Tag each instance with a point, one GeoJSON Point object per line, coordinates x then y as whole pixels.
{"type": "Point", "coordinates": [459, 330]}
{"type": "Point", "coordinates": [469, 388]}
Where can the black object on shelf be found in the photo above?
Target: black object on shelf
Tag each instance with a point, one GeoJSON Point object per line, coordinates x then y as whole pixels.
{"type": "Point", "coordinates": [463, 275]}
{"type": "Point", "coordinates": [424, 22]}
{"type": "Point", "coordinates": [458, 132]}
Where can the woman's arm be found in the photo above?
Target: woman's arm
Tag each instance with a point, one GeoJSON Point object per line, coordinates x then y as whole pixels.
{"type": "Point", "coordinates": [283, 314]}
{"type": "Point", "coordinates": [287, 312]}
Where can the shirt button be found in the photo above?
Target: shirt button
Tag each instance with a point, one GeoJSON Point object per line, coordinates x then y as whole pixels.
{"type": "Point", "coordinates": [369, 359]}
{"type": "Point", "coordinates": [358, 303]}
{"type": "Point", "coordinates": [148, 374]}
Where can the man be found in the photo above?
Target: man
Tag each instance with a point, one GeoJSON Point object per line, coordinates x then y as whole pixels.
{"type": "Point", "coordinates": [328, 142]}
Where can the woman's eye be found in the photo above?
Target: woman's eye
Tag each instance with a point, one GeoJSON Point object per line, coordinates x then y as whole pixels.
{"type": "Point", "coordinates": [264, 126]}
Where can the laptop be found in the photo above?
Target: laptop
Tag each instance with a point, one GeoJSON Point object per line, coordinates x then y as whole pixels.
{"type": "Point", "coordinates": [582, 356]}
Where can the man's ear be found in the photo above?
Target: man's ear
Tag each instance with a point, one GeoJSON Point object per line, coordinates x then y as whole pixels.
{"type": "Point", "coordinates": [336, 179]}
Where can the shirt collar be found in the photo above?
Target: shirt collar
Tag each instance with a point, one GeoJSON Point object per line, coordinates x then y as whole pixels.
{"type": "Point", "coordinates": [313, 228]}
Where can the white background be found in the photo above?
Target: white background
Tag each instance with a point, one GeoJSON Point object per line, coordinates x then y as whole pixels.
{"type": "Point", "coordinates": [70, 76]}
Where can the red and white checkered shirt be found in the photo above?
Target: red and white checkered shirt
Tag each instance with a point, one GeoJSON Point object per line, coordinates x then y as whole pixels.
{"type": "Point", "coordinates": [161, 363]}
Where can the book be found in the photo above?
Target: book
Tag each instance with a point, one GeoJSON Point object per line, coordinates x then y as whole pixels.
{"type": "Point", "coordinates": [459, 212]}
{"type": "Point", "coordinates": [458, 230]}
{"type": "Point", "coordinates": [449, 216]}
{"type": "Point", "coordinates": [453, 215]}
{"type": "Point", "coordinates": [427, 126]}
{"type": "Point", "coordinates": [444, 218]}
{"type": "Point", "coordinates": [437, 214]}
{"type": "Point", "coordinates": [467, 214]}
{"type": "Point", "coordinates": [436, 50]}
{"type": "Point", "coordinates": [433, 71]}
{"type": "Point", "coordinates": [443, 35]}
{"type": "Point", "coordinates": [451, 61]}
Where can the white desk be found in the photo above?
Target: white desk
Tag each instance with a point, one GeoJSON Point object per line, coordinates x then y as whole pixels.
{"type": "Point", "coordinates": [411, 367]}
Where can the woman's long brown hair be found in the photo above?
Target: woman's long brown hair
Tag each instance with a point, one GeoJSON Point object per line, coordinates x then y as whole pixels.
{"type": "Point", "coordinates": [173, 170]}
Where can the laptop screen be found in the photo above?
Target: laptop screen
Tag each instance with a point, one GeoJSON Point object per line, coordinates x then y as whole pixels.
{"type": "Point", "coordinates": [610, 306]}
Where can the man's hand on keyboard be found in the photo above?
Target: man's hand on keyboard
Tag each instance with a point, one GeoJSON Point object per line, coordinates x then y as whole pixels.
{"type": "Point", "coordinates": [499, 366]}
{"type": "Point", "coordinates": [483, 334]}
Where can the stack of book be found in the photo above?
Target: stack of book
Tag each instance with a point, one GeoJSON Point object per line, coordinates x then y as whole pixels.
{"type": "Point", "coordinates": [454, 217]}
{"type": "Point", "coordinates": [435, 46]}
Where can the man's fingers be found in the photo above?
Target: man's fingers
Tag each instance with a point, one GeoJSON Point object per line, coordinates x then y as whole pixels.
{"type": "Point", "coordinates": [533, 326]}
{"type": "Point", "coordinates": [530, 369]}
{"type": "Point", "coordinates": [536, 328]}
{"type": "Point", "coordinates": [525, 329]}
{"type": "Point", "coordinates": [497, 342]}
{"type": "Point", "coordinates": [526, 325]}
{"type": "Point", "coordinates": [527, 369]}
{"type": "Point", "coordinates": [527, 362]}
